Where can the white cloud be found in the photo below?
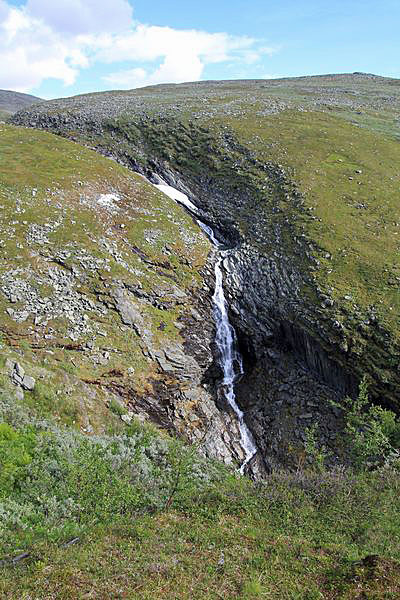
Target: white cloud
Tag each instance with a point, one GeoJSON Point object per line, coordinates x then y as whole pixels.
{"type": "Point", "coordinates": [171, 70]}
{"type": "Point", "coordinates": [82, 16]}
{"type": "Point", "coordinates": [44, 39]}
{"type": "Point", "coordinates": [271, 76]}
{"type": "Point", "coordinates": [183, 54]}
{"type": "Point", "coordinates": [147, 42]}
{"type": "Point", "coordinates": [25, 60]}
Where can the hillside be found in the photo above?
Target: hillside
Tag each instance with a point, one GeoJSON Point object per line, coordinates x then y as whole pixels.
{"type": "Point", "coordinates": [104, 284]}
{"type": "Point", "coordinates": [11, 102]}
{"type": "Point", "coordinates": [119, 452]}
{"type": "Point", "coordinates": [301, 174]}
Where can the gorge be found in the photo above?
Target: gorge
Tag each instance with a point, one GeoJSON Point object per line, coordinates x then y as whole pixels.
{"type": "Point", "coordinates": [310, 323]}
{"type": "Point", "coordinates": [229, 356]}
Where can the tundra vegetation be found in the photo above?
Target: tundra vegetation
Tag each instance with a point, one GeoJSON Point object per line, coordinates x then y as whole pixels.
{"type": "Point", "coordinates": [100, 279]}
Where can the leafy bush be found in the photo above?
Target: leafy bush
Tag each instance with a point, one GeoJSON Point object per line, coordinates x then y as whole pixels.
{"type": "Point", "coordinates": [16, 452]}
{"type": "Point", "coordinates": [372, 432]}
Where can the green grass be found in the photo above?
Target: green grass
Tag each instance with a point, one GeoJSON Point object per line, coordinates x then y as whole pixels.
{"type": "Point", "coordinates": [303, 537]}
{"type": "Point", "coordinates": [357, 214]}
{"type": "Point", "coordinates": [139, 515]}
{"type": "Point", "coordinates": [45, 180]}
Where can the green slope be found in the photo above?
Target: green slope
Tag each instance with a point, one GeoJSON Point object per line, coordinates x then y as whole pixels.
{"type": "Point", "coordinates": [65, 247]}
{"type": "Point", "coordinates": [336, 141]}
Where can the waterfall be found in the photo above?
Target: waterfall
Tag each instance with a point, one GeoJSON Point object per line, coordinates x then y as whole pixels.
{"type": "Point", "coordinates": [230, 358]}
{"type": "Point", "coordinates": [231, 361]}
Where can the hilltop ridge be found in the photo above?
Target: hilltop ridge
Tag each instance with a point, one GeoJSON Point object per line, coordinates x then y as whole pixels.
{"type": "Point", "coordinates": [11, 102]}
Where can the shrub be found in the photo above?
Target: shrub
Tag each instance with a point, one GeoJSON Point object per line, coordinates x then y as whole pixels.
{"type": "Point", "coordinates": [16, 451]}
{"type": "Point", "coordinates": [372, 432]}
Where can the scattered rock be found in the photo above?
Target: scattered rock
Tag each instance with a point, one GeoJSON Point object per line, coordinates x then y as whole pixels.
{"type": "Point", "coordinates": [19, 370]}
{"type": "Point", "coordinates": [28, 383]}
{"type": "Point", "coordinates": [127, 418]}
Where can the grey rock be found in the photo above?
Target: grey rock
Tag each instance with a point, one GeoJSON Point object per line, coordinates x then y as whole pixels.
{"type": "Point", "coordinates": [19, 394]}
{"type": "Point", "coordinates": [127, 418]}
{"type": "Point", "coordinates": [10, 364]}
{"type": "Point", "coordinates": [19, 370]}
{"type": "Point", "coordinates": [130, 315]}
{"type": "Point", "coordinates": [28, 383]}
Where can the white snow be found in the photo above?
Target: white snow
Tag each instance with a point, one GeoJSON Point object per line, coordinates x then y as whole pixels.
{"type": "Point", "coordinates": [108, 200]}
{"type": "Point", "coordinates": [177, 196]}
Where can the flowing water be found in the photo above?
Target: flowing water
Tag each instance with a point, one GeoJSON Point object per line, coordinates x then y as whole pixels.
{"type": "Point", "coordinates": [231, 361]}
{"type": "Point", "coordinates": [230, 358]}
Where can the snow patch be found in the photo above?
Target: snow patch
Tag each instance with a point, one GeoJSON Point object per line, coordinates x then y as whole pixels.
{"type": "Point", "coordinates": [177, 196]}
{"type": "Point", "coordinates": [108, 200]}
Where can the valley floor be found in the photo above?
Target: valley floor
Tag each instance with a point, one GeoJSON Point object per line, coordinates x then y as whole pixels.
{"type": "Point", "coordinates": [315, 536]}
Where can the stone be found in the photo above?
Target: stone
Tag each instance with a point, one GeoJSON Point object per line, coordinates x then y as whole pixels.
{"type": "Point", "coordinates": [19, 394]}
{"type": "Point", "coordinates": [130, 315]}
{"type": "Point", "coordinates": [28, 383]}
{"type": "Point", "coordinates": [127, 418]}
{"type": "Point", "coordinates": [10, 364]}
{"type": "Point", "coordinates": [19, 370]}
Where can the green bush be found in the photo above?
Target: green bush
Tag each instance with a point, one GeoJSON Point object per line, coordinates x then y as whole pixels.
{"type": "Point", "coordinates": [56, 481]}
{"type": "Point", "coordinates": [372, 432]}
{"type": "Point", "coordinates": [16, 451]}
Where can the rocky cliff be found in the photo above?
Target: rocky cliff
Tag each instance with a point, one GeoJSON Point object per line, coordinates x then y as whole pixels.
{"type": "Point", "coordinates": [300, 178]}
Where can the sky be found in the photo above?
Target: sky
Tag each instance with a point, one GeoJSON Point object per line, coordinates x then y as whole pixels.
{"type": "Point", "coordinates": [54, 48]}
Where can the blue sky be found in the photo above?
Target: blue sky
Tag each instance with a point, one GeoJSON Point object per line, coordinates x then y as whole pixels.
{"type": "Point", "coordinates": [57, 48]}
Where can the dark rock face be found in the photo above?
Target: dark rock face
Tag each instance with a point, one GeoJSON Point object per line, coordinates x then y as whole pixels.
{"type": "Point", "coordinates": [297, 355]}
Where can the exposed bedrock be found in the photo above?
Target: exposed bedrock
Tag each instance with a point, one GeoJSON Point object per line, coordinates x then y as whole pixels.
{"type": "Point", "coordinates": [183, 394]}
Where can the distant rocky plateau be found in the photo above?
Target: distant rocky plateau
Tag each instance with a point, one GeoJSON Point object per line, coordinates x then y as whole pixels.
{"type": "Point", "coordinates": [106, 284]}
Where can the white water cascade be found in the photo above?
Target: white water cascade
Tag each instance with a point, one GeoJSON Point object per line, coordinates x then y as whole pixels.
{"type": "Point", "coordinates": [231, 360]}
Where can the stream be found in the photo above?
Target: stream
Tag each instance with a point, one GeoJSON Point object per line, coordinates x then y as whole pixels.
{"type": "Point", "coordinates": [230, 358]}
